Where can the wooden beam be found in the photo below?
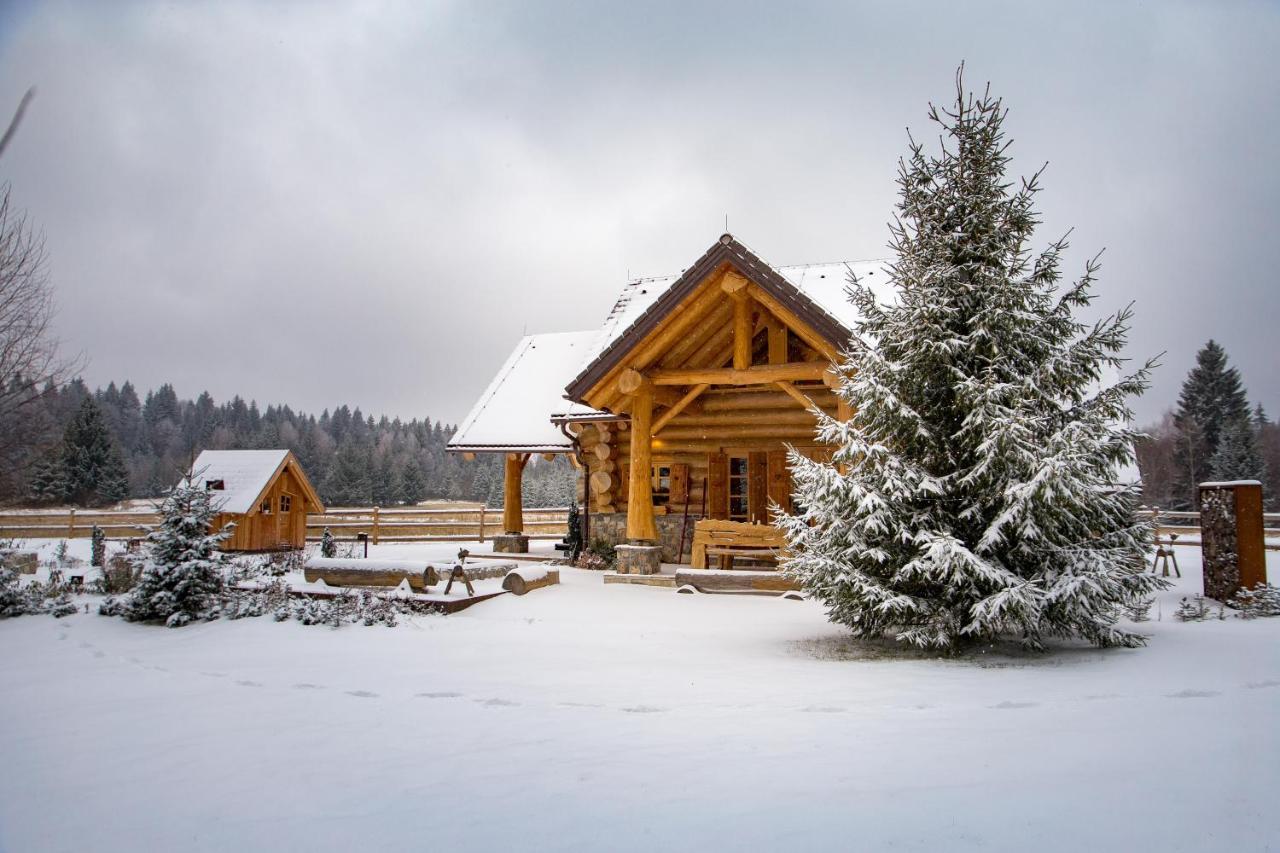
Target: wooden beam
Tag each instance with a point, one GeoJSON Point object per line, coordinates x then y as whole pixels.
{"type": "Point", "coordinates": [777, 309]}
{"type": "Point", "coordinates": [762, 374]}
{"type": "Point", "coordinates": [630, 380]}
{"type": "Point", "coordinates": [679, 407]}
{"type": "Point", "coordinates": [733, 282]}
{"type": "Point", "coordinates": [741, 330]}
{"type": "Point", "coordinates": [777, 341]}
{"type": "Point", "coordinates": [512, 507]}
{"type": "Point", "coordinates": [796, 395]}
{"type": "Point", "coordinates": [640, 523]}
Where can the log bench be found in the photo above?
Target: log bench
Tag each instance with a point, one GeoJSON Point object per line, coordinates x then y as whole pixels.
{"type": "Point", "coordinates": [754, 552]}
{"type": "Point", "coordinates": [730, 539]}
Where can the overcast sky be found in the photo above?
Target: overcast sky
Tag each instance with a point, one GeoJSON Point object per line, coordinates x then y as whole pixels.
{"type": "Point", "coordinates": [369, 203]}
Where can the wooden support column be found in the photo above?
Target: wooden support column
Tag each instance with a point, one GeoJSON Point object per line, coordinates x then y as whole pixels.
{"type": "Point", "coordinates": [735, 285]}
{"type": "Point", "coordinates": [640, 523]}
{"type": "Point", "coordinates": [512, 506]}
{"type": "Point", "coordinates": [777, 342]}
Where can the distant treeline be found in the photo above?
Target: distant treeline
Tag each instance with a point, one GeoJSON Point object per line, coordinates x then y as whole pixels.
{"type": "Point", "coordinates": [352, 459]}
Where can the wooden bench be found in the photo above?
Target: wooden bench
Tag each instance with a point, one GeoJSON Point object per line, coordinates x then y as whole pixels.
{"type": "Point", "coordinates": [727, 555]}
{"type": "Point", "coordinates": [730, 539]}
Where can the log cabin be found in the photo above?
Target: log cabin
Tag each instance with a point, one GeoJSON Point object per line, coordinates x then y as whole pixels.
{"type": "Point", "coordinates": [683, 404]}
{"type": "Point", "coordinates": [264, 492]}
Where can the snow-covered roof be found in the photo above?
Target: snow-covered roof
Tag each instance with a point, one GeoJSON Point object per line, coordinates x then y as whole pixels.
{"type": "Point", "coordinates": [244, 475]}
{"type": "Point", "coordinates": [514, 412]}
{"type": "Point", "coordinates": [824, 284]}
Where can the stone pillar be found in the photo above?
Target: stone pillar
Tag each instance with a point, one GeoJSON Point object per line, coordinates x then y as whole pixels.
{"type": "Point", "coordinates": [639, 559]}
{"type": "Point", "coordinates": [1233, 554]}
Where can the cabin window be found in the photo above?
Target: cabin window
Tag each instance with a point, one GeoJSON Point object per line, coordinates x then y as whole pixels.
{"type": "Point", "coordinates": [286, 501]}
{"type": "Point", "coordinates": [739, 489]}
{"type": "Point", "coordinates": [265, 507]}
{"type": "Point", "coordinates": [215, 485]}
{"type": "Point", "coordinates": [660, 485]}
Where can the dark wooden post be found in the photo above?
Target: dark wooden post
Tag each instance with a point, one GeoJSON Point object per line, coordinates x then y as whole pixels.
{"type": "Point", "coordinates": [1231, 539]}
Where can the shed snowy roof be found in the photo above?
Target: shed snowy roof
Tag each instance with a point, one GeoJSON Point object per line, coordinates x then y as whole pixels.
{"type": "Point", "coordinates": [514, 411]}
{"type": "Point", "coordinates": [244, 475]}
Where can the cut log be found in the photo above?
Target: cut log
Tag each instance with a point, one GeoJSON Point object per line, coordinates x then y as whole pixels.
{"type": "Point", "coordinates": [527, 578]}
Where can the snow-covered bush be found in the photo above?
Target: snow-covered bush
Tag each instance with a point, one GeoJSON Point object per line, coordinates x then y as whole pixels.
{"type": "Point", "coordinates": [600, 555]}
{"type": "Point", "coordinates": [1195, 609]}
{"type": "Point", "coordinates": [1140, 611]}
{"type": "Point", "coordinates": [182, 578]}
{"type": "Point", "coordinates": [328, 546]}
{"type": "Point", "coordinates": [1260, 602]}
{"type": "Point", "coordinates": [98, 547]}
{"type": "Point", "coordinates": [18, 598]}
{"type": "Point", "coordinates": [972, 494]}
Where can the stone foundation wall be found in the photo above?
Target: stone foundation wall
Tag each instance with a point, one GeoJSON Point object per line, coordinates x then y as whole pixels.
{"type": "Point", "coordinates": [612, 528]}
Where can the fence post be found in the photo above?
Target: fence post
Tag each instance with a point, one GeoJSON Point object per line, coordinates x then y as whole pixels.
{"type": "Point", "coordinates": [481, 523]}
{"type": "Point", "coordinates": [375, 525]}
{"type": "Point", "coordinates": [71, 524]}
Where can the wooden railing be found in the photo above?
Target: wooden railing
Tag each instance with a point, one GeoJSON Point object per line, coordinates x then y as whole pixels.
{"type": "Point", "coordinates": [1186, 526]}
{"type": "Point", "coordinates": [394, 524]}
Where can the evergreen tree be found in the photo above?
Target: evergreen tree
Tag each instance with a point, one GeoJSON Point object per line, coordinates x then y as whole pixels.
{"type": "Point", "coordinates": [328, 546]}
{"type": "Point", "coordinates": [183, 574]}
{"type": "Point", "coordinates": [1237, 456]}
{"type": "Point", "coordinates": [47, 485]}
{"type": "Point", "coordinates": [92, 468]}
{"type": "Point", "coordinates": [971, 495]}
{"type": "Point", "coordinates": [1212, 396]}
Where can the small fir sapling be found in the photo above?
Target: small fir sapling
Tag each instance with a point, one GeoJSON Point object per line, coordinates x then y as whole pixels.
{"type": "Point", "coordinates": [973, 493]}
{"type": "Point", "coordinates": [328, 545]}
{"type": "Point", "coordinates": [1262, 601]}
{"type": "Point", "coordinates": [182, 580]}
{"type": "Point", "coordinates": [98, 547]}
{"type": "Point", "coordinates": [1140, 611]}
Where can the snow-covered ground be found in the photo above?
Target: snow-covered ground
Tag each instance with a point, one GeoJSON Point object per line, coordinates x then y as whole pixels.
{"type": "Point", "coordinates": [586, 717]}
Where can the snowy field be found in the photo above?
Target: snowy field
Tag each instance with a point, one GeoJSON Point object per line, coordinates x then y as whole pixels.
{"type": "Point", "coordinates": [585, 717]}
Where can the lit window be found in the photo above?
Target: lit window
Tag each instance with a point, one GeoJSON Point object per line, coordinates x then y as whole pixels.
{"type": "Point", "coordinates": [660, 485]}
{"type": "Point", "coordinates": [739, 505]}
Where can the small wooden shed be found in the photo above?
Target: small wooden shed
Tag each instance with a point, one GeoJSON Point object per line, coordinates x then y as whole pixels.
{"type": "Point", "coordinates": [265, 492]}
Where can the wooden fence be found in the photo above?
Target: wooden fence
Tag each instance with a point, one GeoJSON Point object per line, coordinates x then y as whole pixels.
{"type": "Point", "coordinates": [1186, 526]}
{"type": "Point", "coordinates": [397, 524]}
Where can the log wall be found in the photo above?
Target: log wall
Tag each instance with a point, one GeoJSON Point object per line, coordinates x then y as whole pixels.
{"type": "Point", "coordinates": [756, 422]}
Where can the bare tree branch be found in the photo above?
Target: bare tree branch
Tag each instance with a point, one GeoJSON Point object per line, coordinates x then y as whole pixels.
{"type": "Point", "coordinates": [17, 119]}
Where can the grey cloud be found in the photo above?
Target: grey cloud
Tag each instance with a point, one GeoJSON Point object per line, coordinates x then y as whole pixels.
{"type": "Point", "coordinates": [368, 204]}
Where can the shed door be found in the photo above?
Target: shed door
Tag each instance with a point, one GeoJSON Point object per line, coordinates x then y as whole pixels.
{"type": "Point", "coordinates": [284, 519]}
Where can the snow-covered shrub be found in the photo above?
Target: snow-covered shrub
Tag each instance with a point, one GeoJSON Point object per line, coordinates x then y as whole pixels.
{"type": "Point", "coordinates": [98, 548]}
{"type": "Point", "coordinates": [1192, 609]}
{"type": "Point", "coordinates": [328, 546]}
{"type": "Point", "coordinates": [118, 576]}
{"type": "Point", "coordinates": [1140, 611]}
{"type": "Point", "coordinates": [18, 598]}
{"type": "Point", "coordinates": [1260, 602]}
{"type": "Point", "coordinates": [598, 556]}
{"type": "Point", "coordinates": [972, 494]}
{"type": "Point", "coordinates": [182, 580]}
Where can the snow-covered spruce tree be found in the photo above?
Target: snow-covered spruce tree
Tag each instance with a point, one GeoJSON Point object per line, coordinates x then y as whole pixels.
{"type": "Point", "coordinates": [328, 547]}
{"type": "Point", "coordinates": [1212, 399]}
{"type": "Point", "coordinates": [183, 575]}
{"type": "Point", "coordinates": [1237, 456]}
{"type": "Point", "coordinates": [972, 494]}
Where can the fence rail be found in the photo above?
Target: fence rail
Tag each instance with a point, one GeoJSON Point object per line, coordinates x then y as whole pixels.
{"type": "Point", "coordinates": [394, 524]}
{"type": "Point", "coordinates": [1186, 526]}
